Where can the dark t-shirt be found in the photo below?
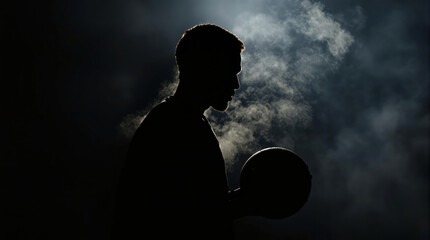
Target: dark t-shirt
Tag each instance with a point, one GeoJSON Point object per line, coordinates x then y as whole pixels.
{"type": "Point", "coordinates": [173, 183]}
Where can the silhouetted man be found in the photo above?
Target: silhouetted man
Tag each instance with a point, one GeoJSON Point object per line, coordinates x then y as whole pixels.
{"type": "Point", "coordinates": [174, 184]}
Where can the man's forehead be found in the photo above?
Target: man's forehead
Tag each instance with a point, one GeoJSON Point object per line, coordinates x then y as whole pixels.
{"type": "Point", "coordinates": [228, 61]}
{"type": "Point", "coordinates": [238, 64]}
{"type": "Point", "coordinates": [233, 66]}
{"type": "Point", "coordinates": [234, 61]}
{"type": "Point", "coordinates": [238, 68]}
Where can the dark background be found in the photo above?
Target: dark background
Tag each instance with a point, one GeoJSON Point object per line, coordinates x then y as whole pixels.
{"type": "Point", "coordinates": [71, 71]}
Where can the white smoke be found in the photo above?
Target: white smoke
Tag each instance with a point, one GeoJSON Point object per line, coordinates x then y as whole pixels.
{"type": "Point", "coordinates": [285, 54]}
{"type": "Point", "coordinates": [364, 70]}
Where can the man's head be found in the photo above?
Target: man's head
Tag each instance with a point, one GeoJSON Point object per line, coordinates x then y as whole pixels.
{"type": "Point", "coordinates": [208, 59]}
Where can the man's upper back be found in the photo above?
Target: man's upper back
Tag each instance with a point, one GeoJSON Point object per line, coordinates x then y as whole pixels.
{"type": "Point", "coordinates": [174, 174]}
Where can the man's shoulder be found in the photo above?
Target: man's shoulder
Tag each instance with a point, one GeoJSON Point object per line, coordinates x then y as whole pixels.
{"type": "Point", "coordinates": [155, 127]}
{"type": "Point", "coordinates": [162, 111]}
{"type": "Point", "coordinates": [167, 119]}
{"type": "Point", "coordinates": [172, 112]}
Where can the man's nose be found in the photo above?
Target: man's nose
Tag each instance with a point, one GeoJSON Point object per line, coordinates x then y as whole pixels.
{"type": "Point", "coordinates": [236, 83]}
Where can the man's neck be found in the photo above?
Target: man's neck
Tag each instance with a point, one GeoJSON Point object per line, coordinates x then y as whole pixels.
{"type": "Point", "coordinates": [192, 102]}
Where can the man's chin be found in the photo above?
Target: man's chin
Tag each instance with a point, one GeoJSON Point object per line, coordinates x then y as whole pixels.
{"type": "Point", "coordinates": [220, 107]}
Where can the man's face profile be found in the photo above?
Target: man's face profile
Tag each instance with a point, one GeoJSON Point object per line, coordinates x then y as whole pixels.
{"type": "Point", "coordinates": [208, 59]}
{"type": "Point", "coordinates": [225, 82]}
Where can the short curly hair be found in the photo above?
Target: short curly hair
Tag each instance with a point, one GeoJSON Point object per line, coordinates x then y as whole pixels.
{"type": "Point", "coordinates": [205, 44]}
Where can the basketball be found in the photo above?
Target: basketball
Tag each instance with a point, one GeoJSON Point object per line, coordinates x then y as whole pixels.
{"type": "Point", "coordinates": [275, 182]}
